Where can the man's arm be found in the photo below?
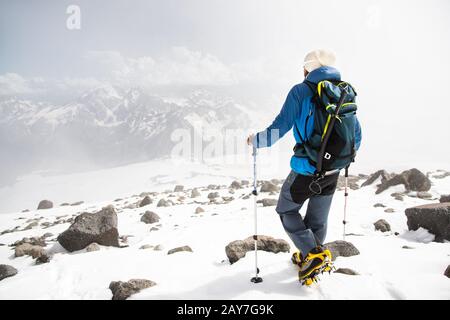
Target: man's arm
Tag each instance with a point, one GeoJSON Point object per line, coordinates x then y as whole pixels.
{"type": "Point", "coordinates": [284, 121]}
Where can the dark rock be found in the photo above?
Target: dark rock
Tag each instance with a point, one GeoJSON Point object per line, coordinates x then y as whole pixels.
{"type": "Point", "coordinates": [444, 198]}
{"type": "Point", "coordinates": [267, 202]}
{"type": "Point", "coordinates": [147, 246]}
{"type": "Point", "coordinates": [228, 199]}
{"type": "Point", "coordinates": [123, 290]}
{"type": "Point", "coordinates": [178, 188]}
{"type": "Point", "coordinates": [412, 179]}
{"type": "Point", "coordinates": [45, 204]}
{"type": "Point", "coordinates": [389, 210]}
{"type": "Point", "coordinates": [199, 210]}
{"type": "Point", "coordinates": [29, 250]}
{"type": "Point", "coordinates": [163, 203]}
{"type": "Point", "coordinates": [340, 248]}
{"type": "Point", "coordinates": [180, 249]}
{"type": "Point", "coordinates": [347, 271]}
{"type": "Point", "coordinates": [154, 229]}
{"type": "Point", "coordinates": [236, 185]}
{"type": "Point", "coordinates": [31, 225]}
{"type": "Point", "coordinates": [269, 187]}
{"type": "Point", "coordinates": [213, 195]}
{"type": "Point", "coordinates": [447, 272]}
{"type": "Point", "coordinates": [382, 225]}
{"type": "Point", "coordinates": [76, 203]}
{"type": "Point", "coordinates": [407, 247]}
{"type": "Point", "coordinates": [64, 204]}
{"type": "Point", "coordinates": [146, 201]}
{"type": "Point", "coordinates": [43, 258]}
{"type": "Point", "coordinates": [150, 217]}
{"type": "Point", "coordinates": [424, 195]}
{"type": "Point", "coordinates": [26, 210]}
{"type": "Point", "coordinates": [379, 205]}
{"type": "Point", "coordinates": [195, 193]}
{"type": "Point", "coordinates": [374, 176]}
{"type": "Point", "coordinates": [7, 271]}
{"type": "Point", "coordinates": [433, 217]}
{"type": "Point", "coordinates": [100, 227]}
{"type": "Point", "coordinates": [236, 250]}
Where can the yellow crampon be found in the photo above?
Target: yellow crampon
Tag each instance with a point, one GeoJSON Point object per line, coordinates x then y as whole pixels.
{"type": "Point", "coordinates": [324, 266]}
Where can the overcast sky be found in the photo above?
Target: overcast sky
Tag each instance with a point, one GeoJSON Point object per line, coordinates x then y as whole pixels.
{"type": "Point", "coordinates": [396, 53]}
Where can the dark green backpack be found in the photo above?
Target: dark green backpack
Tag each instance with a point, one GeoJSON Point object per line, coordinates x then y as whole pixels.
{"type": "Point", "coordinates": [332, 143]}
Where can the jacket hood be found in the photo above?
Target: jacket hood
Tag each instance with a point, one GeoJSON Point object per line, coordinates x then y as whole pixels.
{"type": "Point", "coordinates": [323, 73]}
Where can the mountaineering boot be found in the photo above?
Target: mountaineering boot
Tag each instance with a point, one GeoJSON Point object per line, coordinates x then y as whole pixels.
{"type": "Point", "coordinates": [297, 259]}
{"type": "Point", "coordinates": [317, 261]}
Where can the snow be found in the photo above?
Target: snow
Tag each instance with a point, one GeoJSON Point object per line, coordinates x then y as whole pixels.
{"type": "Point", "coordinates": [387, 271]}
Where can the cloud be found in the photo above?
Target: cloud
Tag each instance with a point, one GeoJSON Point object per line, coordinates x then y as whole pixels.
{"type": "Point", "coordinates": [14, 84]}
{"type": "Point", "coordinates": [180, 66]}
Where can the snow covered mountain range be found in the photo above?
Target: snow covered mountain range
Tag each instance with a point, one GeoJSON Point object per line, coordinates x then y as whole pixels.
{"type": "Point", "coordinates": [105, 126]}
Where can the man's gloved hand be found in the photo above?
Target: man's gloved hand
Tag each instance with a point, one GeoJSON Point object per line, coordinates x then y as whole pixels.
{"type": "Point", "coordinates": [250, 139]}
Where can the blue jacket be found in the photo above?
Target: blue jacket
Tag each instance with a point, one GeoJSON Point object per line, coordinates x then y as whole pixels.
{"type": "Point", "coordinates": [294, 113]}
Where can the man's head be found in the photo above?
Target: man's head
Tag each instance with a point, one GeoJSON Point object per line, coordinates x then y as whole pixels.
{"type": "Point", "coordinates": [316, 59]}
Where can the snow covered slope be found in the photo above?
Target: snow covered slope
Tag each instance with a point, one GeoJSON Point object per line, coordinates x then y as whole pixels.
{"type": "Point", "coordinates": [387, 271]}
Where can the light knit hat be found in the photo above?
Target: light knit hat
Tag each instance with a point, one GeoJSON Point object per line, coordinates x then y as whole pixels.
{"type": "Point", "coordinates": [318, 58]}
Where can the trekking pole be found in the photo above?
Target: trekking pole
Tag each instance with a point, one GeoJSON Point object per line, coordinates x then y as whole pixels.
{"type": "Point", "coordinates": [256, 278]}
{"type": "Point", "coordinates": [344, 222]}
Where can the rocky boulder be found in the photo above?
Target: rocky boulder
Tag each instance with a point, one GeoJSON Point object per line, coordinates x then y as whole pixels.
{"type": "Point", "coordinates": [269, 187]}
{"type": "Point", "coordinates": [163, 203]}
{"type": "Point", "coordinates": [180, 249]}
{"type": "Point", "coordinates": [237, 249]}
{"type": "Point", "coordinates": [29, 250]}
{"type": "Point", "coordinates": [178, 188]}
{"type": "Point", "coordinates": [45, 204]}
{"type": "Point", "coordinates": [444, 198]}
{"type": "Point", "coordinates": [446, 273]}
{"type": "Point", "coordinates": [100, 227]}
{"type": "Point", "coordinates": [236, 185]}
{"type": "Point", "coordinates": [213, 195]}
{"type": "Point", "coordinates": [413, 180]}
{"type": "Point", "coordinates": [382, 225]}
{"type": "Point", "coordinates": [374, 176]}
{"type": "Point", "coordinates": [123, 290]}
{"type": "Point", "coordinates": [433, 217]}
{"type": "Point", "coordinates": [146, 201]}
{"type": "Point", "coordinates": [267, 202]}
{"type": "Point", "coordinates": [340, 248]}
{"type": "Point", "coordinates": [195, 193]}
{"type": "Point", "coordinates": [7, 271]}
{"type": "Point", "coordinates": [150, 217]}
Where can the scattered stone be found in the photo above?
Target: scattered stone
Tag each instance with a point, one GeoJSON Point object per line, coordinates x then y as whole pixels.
{"type": "Point", "coordinates": [245, 182]}
{"type": "Point", "coordinates": [389, 210]}
{"type": "Point", "coordinates": [212, 187]}
{"type": "Point", "coordinates": [199, 210]}
{"type": "Point", "coordinates": [163, 203]}
{"type": "Point", "coordinates": [267, 202]}
{"type": "Point", "coordinates": [154, 229]}
{"type": "Point", "coordinates": [34, 241]}
{"type": "Point", "coordinates": [76, 203]}
{"type": "Point", "coordinates": [100, 227]}
{"type": "Point", "coordinates": [64, 204]}
{"type": "Point", "coordinates": [340, 248]}
{"type": "Point", "coordinates": [237, 249]}
{"type": "Point", "coordinates": [146, 246]}
{"type": "Point", "coordinates": [246, 197]}
{"type": "Point", "coordinates": [150, 217]}
{"type": "Point", "coordinates": [407, 247]}
{"type": "Point", "coordinates": [382, 225]}
{"type": "Point", "coordinates": [379, 205]}
{"type": "Point", "coordinates": [444, 198]}
{"type": "Point", "coordinates": [374, 176]}
{"type": "Point", "coordinates": [352, 182]}
{"type": "Point", "coordinates": [213, 195]}
{"type": "Point", "coordinates": [7, 271]}
{"type": "Point", "coordinates": [43, 258]}
{"type": "Point", "coordinates": [123, 290]}
{"type": "Point", "coordinates": [269, 187]}
{"type": "Point", "coordinates": [26, 210]}
{"type": "Point", "coordinates": [227, 199]}
{"type": "Point", "coordinates": [45, 204]}
{"type": "Point", "coordinates": [236, 185]}
{"type": "Point", "coordinates": [31, 225]}
{"type": "Point", "coordinates": [447, 272]}
{"type": "Point", "coordinates": [146, 201]}
{"type": "Point", "coordinates": [178, 188]}
{"type": "Point", "coordinates": [158, 248]}
{"type": "Point", "coordinates": [424, 195]}
{"type": "Point", "coordinates": [347, 271]}
{"type": "Point", "coordinates": [443, 175]}
{"type": "Point", "coordinates": [118, 199]}
{"type": "Point", "coordinates": [413, 180]}
{"type": "Point", "coordinates": [29, 250]}
{"type": "Point", "coordinates": [179, 249]}
{"type": "Point", "coordinates": [433, 217]}
{"type": "Point", "coordinates": [93, 247]}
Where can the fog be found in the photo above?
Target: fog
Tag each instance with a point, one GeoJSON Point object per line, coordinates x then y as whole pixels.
{"type": "Point", "coordinates": [394, 53]}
